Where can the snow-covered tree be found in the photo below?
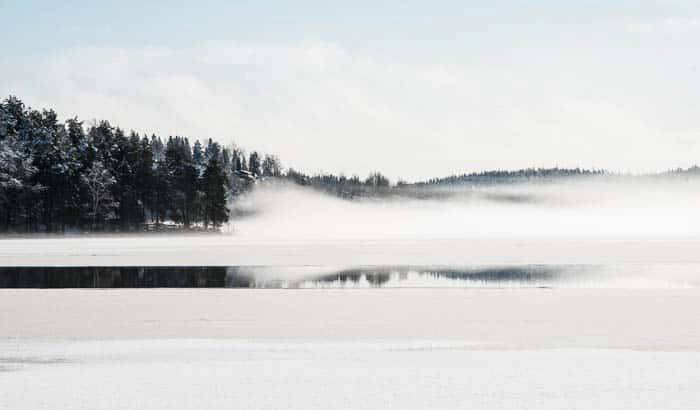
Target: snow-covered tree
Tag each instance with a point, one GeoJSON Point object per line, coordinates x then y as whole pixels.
{"type": "Point", "coordinates": [99, 181]}
{"type": "Point", "coordinates": [56, 176]}
{"type": "Point", "coordinates": [271, 166]}
{"type": "Point", "coordinates": [16, 165]}
{"type": "Point", "coordinates": [254, 164]}
{"type": "Point", "coordinates": [377, 180]}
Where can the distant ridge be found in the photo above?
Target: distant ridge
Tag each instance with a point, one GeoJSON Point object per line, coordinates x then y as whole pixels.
{"type": "Point", "coordinates": [506, 176]}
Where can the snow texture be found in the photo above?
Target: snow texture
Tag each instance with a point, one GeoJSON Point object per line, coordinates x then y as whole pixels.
{"type": "Point", "coordinates": [350, 349]}
{"type": "Point", "coordinates": [195, 374]}
{"type": "Point", "coordinates": [218, 250]}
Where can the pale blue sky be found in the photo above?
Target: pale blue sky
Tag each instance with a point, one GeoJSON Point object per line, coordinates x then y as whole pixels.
{"type": "Point", "coordinates": [72, 23]}
{"type": "Point", "coordinates": [453, 85]}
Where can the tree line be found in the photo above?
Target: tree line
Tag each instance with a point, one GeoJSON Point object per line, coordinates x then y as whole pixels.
{"type": "Point", "coordinates": [68, 177]}
{"type": "Point", "coordinates": [65, 176]}
{"type": "Point", "coordinates": [511, 176]}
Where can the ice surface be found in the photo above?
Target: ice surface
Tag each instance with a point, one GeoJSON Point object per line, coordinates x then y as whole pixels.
{"type": "Point", "coordinates": [196, 374]}
{"type": "Point", "coordinates": [234, 251]}
{"type": "Point", "coordinates": [374, 348]}
{"type": "Point", "coordinates": [350, 349]}
{"type": "Point", "coordinates": [525, 319]}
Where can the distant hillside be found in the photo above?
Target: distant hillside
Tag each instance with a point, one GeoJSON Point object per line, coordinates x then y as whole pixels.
{"type": "Point", "coordinates": [507, 177]}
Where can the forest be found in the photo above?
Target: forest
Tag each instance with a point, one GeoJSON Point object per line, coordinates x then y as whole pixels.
{"type": "Point", "coordinates": [60, 177]}
{"type": "Point", "coordinates": [65, 176]}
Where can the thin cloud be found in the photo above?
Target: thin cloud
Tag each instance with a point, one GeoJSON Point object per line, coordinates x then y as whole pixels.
{"type": "Point", "coordinates": [666, 26]}
{"type": "Point", "coordinates": [322, 107]}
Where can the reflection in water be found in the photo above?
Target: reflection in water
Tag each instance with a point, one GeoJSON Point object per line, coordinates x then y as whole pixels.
{"type": "Point", "coordinates": [305, 277]}
{"type": "Point", "coordinates": [417, 276]}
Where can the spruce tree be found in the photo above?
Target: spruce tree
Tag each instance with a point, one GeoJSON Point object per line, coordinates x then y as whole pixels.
{"type": "Point", "coordinates": [214, 199]}
{"type": "Point", "coordinates": [254, 164]}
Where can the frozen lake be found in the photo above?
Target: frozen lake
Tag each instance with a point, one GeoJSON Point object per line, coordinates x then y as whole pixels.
{"type": "Point", "coordinates": [230, 250]}
{"type": "Point", "coordinates": [350, 348]}
{"type": "Point", "coordinates": [559, 302]}
{"type": "Point", "coordinates": [203, 373]}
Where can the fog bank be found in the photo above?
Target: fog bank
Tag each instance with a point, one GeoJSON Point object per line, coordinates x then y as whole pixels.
{"type": "Point", "coordinates": [592, 208]}
{"type": "Point", "coordinates": [593, 221]}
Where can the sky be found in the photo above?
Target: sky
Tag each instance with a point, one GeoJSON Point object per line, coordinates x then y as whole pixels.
{"type": "Point", "coordinates": [414, 89]}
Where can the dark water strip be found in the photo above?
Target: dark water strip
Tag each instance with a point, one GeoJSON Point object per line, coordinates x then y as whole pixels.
{"type": "Point", "coordinates": [680, 275]}
{"type": "Point", "coordinates": [112, 277]}
{"type": "Point", "coordinates": [279, 277]}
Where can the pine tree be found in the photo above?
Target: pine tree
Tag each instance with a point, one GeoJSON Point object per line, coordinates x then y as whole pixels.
{"type": "Point", "coordinates": [144, 174]}
{"type": "Point", "coordinates": [161, 193]}
{"type": "Point", "coordinates": [214, 188]}
{"type": "Point", "coordinates": [182, 181]}
{"type": "Point", "coordinates": [254, 165]}
{"type": "Point", "coordinates": [271, 166]}
{"type": "Point", "coordinates": [377, 180]}
{"type": "Point", "coordinates": [16, 170]}
{"type": "Point", "coordinates": [126, 189]}
{"type": "Point", "coordinates": [77, 203]}
{"type": "Point", "coordinates": [198, 156]}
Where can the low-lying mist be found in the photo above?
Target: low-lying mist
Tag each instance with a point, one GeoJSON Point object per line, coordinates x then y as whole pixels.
{"type": "Point", "coordinates": [601, 207]}
{"type": "Point", "coordinates": [594, 221]}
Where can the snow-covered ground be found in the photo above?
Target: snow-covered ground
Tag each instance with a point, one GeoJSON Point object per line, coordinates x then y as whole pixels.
{"type": "Point", "coordinates": [349, 349]}
{"type": "Point", "coordinates": [525, 319]}
{"type": "Point", "coordinates": [232, 250]}
{"type": "Point", "coordinates": [208, 374]}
